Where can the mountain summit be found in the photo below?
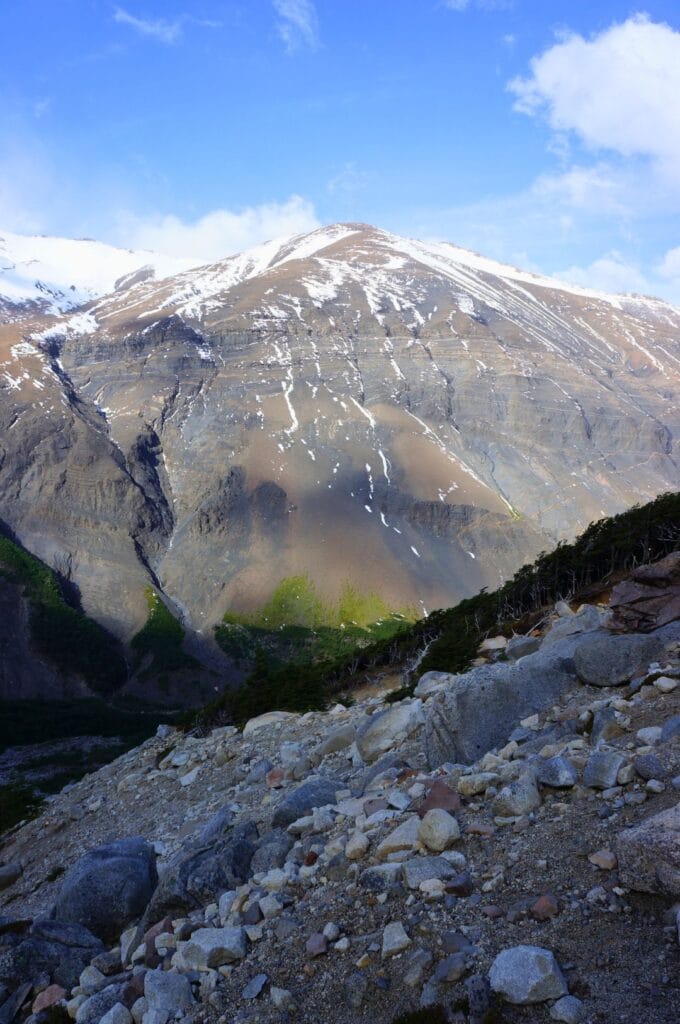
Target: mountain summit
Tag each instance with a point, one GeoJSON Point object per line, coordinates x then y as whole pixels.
{"type": "Point", "coordinates": [408, 417]}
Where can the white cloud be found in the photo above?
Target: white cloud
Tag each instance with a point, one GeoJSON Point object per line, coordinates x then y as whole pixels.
{"type": "Point", "coordinates": [298, 23]}
{"type": "Point", "coordinates": [165, 31]}
{"type": "Point", "coordinates": [168, 32]}
{"type": "Point", "coordinates": [609, 273]}
{"type": "Point", "coordinates": [484, 5]}
{"type": "Point", "coordinates": [618, 91]}
{"type": "Point", "coordinates": [218, 233]}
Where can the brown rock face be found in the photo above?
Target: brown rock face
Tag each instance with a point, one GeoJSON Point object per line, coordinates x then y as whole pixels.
{"type": "Point", "coordinates": [409, 418]}
{"type": "Point", "coordinates": [650, 598]}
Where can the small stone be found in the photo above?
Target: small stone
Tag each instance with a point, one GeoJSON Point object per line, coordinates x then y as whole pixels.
{"type": "Point", "coordinates": [649, 736]}
{"type": "Point", "coordinates": [166, 994]}
{"type": "Point", "coordinates": [460, 885]}
{"type": "Point", "coordinates": [527, 974]}
{"type": "Point", "coordinates": [602, 769]}
{"type": "Point", "coordinates": [544, 908]}
{"type": "Point", "coordinates": [331, 931]}
{"type": "Point", "coordinates": [342, 945]}
{"type": "Point", "coordinates": [568, 1010]}
{"type": "Point", "coordinates": [664, 684]}
{"type": "Point", "coordinates": [210, 947]}
{"type": "Point", "coordinates": [451, 969]}
{"type": "Point", "coordinates": [316, 945]}
{"type": "Point", "coordinates": [395, 939]}
{"type": "Point", "coordinates": [438, 830]}
{"type": "Point", "coordinates": [355, 987]}
{"type": "Point", "coordinates": [281, 998]}
{"type": "Point", "coordinates": [556, 772]}
{"type": "Point", "coordinates": [649, 766]}
{"type": "Point", "coordinates": [439, 796]}
{"type": "Point", "coordinates": [655, 786]}
{"type": "Point", "coordinates": [254, 986]}
{"type": "Point", "coordinates": [421, 869]}
{"type": "Point", "coordinates": [357, 846]}
{"type": "Point", "coordinates": [404, 838]}
{"type": "Point", "coordinates": [517, 798]}
{"type": "Point", "coordinates": [91, 980]}
{"type": "Point", "coordinates": [49, 996]}
{"type": "Point", "coordinates": [118, 1014]}
{"type": "Point", "coordinates": [417, 965]}
{"type": "Point", "coordinates": [604, 859]}
{"type": "Point", "coordinates": [479, 782]}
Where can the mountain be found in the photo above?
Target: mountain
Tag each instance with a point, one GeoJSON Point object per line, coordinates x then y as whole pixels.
{"type": "Point", "coordinates": [408, 417]}
{"type": "Point", "coordinates": [42, 273]}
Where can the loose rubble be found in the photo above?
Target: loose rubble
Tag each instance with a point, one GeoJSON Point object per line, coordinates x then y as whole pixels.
{"type": "Point", "coordinates": [358, 863]}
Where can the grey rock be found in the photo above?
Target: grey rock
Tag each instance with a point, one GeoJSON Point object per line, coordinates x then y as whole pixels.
{"type": "Point", "coordinates": [606, 725]}
{"type": "Point", "coordinates": [519, 646]}
{"type": "Point", "coordinates": [60, 950]}
{"type": "Point", "coordinates": [649, 766]}
{"type": "Point", "coordinates": [649, 854]}
{"type": "Point", "coordinates": [9, 874]}
{"type": "Point", "coordinates": [394, 940]}
{"type": "Point", "coordinates": [478, 992]}
{"type": "Point", "coordinates": [585, 620]}
{"type": "Point", "coordinates": [254, 987]}
{"type": "Point", "coordinates": [355, 986]}
{"type": "Point", "coordinates": [211, 947]}
{"type": "Point", "coordinates": [315, 792]}
{"type": "Point", "coordinates": [556, 772]}
{"type": "Point", "coordinates": [451, 969]}
{"type": "Point", "coordinates": [387, 729]}
{"type": "Point", "coordinates": [670, 729]}
{"type": "Point", "coordinates": [602, 769]}
{"type": "Point", "coordinates": [433, 682]}
{"type": "Point", "coordinates": [118, 1014]}
{"type": "Point", "coordinates": [465, 721]}
{"type": "Point", "coordinates": [337, 739]}
{"type": "Point", "coordinates": [94, 1008]}
{"type": "Point", "coordinates": [527, 974]}
{"type": "Point", "coordinates": [518, 797]}
{"type": "Point", "coordinates": [422, 869]}
{"type": "Point", "coordinates": [168, 995]}
{"type": "Point", "coordinates": [271, 851]}
{"type": "Point", "coordinates": [416, 966]}
{"type": "Point", "coordinates": [109, 887]}
{"type": "Point", "coordinates": [201, 872]}
{"type": "Point", "coordinates": [380, 877]}
{"type": "Point", "coordinates": [614, 660]}
{"type": "Point", "coordinates": [568, 1010]}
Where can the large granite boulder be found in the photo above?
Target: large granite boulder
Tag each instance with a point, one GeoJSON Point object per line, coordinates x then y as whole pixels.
{"type": "Point", "coordinates": [649, 854]}
{"type": "Point", "coordinates": [109, 887]}
{"type": "Point", "coordinates": [54, 948]}
{"type": "Point", "coordinates": [482, 707]}
{"type": "Point", "coordinates": [615, 660]}
{"type": "Point", "coordinates": [649, 598]}
{"type": "Point", "coordinates": [216, 860]}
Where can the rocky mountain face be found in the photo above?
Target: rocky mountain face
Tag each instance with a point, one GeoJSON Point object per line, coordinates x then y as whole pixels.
{"type": "Point", "coordinates": [348, 404]}
{"type": "Point", "coordinates": [517, 864]}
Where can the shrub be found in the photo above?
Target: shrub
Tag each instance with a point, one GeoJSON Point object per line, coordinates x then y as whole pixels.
{"type": "Point", "coordinates": [161, 638]}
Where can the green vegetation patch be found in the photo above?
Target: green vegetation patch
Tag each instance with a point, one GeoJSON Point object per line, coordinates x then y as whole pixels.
{"type": "Point", "coordinates": [160, 638]}
{"type": "Point", "coordinates": [60, 632]}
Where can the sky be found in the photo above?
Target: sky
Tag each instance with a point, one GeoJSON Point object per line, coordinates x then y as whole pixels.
{"type": "Point", "coordinates": [539, 132]}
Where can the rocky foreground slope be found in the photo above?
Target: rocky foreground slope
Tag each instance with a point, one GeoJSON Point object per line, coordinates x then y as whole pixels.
{"type": "Point", "coordinates": [504, 844]}
{"type": "Point", "coordinates": [408, 417]}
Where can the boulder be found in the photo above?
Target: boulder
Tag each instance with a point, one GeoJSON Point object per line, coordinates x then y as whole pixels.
{"type": "Point", "coordinates": [315, 792]}
{"type": "Point", "coordinates": [202, 871]}
{"type": "Point", "coordinates": [387, 729]}
{"type": "Point", "coordinates": [168, 995]}
{"type": "Point", "coordinates": [615, 660]}
{"type": "Point", "coordinates": [404, 839]}
{"type": "Point", "coordinates": [210, 947]}
{"type": "Point", "coordinates": [109, 887]}
{"type": "Point", "coordinates": [54, 948]}
{"type": "Point", "coordinates": [518, 797]}
{"type": "Point", "coordinates": [480, 711]}
{"type": "Point", "coordinates": [337, 739]}
{"type": "Point", "coordinates": [269, 718]}
{"type": "Point", "coordinates": [519, 646]}
{"type": "Point", "coordinates": [433, 682]}
{"type": "Point", "coordinates": [438, 830]}
{"type": "Point", "coordinates": [602, 769]}
{"type": "Point", "coordinates": [587, 619]}
{"type": "Point", "coordinates": [527, 974]}
{"type": "Point", "coordinates": [556, 772]}
{"type": "Point", "coordinates": [649, 598]}
{"type": "Point", "coordinates": [649, 854]}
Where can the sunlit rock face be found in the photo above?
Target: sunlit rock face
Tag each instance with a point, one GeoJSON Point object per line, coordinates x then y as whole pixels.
{"type": "Point", "coordinates": [410, 417]}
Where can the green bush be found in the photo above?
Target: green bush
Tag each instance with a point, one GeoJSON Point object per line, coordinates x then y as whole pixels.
{"type": "Point", "coordinates": [161, 638]}
{"type": "Point", "coordinates": [72, 642]}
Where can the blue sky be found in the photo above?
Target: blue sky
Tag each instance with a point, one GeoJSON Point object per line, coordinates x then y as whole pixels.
{"type": "Point", "coordinates": [542, 133]}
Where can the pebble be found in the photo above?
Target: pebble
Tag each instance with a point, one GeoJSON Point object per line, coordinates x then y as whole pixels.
{"type": "Point", "coordinates": [438, 830]}
{"type": "Point", "coordinates": [394, 940]}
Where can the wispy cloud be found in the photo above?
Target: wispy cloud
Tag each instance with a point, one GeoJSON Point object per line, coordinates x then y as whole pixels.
{"type": "Point", "coordinates": [482, 5]}
{"type": "Point", "coordinates": [298, 24]}
{"type": "Point", "coordinates": [168, 32]}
